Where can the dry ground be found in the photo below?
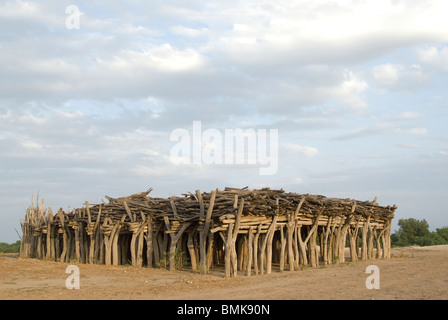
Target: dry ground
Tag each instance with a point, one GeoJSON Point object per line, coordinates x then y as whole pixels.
{"type": "Point", "coordinates": [411, 273]}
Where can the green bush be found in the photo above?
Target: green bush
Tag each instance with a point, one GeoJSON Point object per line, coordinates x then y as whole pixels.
{"type": "Point", "coordinates": [416, 232]}
{"type": "Point", "coordinates": [10, 248]}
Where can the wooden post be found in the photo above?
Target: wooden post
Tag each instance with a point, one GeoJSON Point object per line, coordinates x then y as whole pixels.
{"type": "Point", "coordinates": [234, 237]}
{"type": "Point", "coordinates": [386, 239]}
{"type": "Point", "coordinates": [77, 246]}
{"type": "Point", "coordinates": [149, 243]}
{"type": "Point", "coordinates": [365, 230]}
{"type": "Point", "coordinates": [370, 237]}
{"type": "Point", "coordinates": [270, 237]}
{"type": "Point", "coordinates": [325, 240]}
{"type": "Point", "coordinates": [114, 240]}
{"type": "Point", "coordinates": [174, 239]}
{"type": "Point", "coordinates": [291, 227]}
{"type": "Point", "coordinates": [204, 233]}
{"type": "Point", "coordinates": [141, 238]}
{"type": "Point", "coordinates": [50, 243]}
{"type": "Point", "coordinates": [256, 239]}
{"type": "Point", "coordinates": [228, 249]}
{"type": "Point", "coordinates": [342, 238]}
{"type": "Point", "coordinates": [190, 246]}
{"type": "Point", "coordinates": [250, 245]}
{"type": "Point", "coordinates": [93, 237]}
{"type": "Point", "coordinates": [64, 235]}
{"type": "Point", "coordinates": [210, 246]}
{"type": "Point", "coordinates": [282, 249]}
{"type": "Point", "coordinates": [303, 243]}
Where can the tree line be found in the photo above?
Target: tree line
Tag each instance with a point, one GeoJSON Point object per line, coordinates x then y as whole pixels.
{"type": "Point", "coordinates": [416, 232]}
{"type": "Point", "coordinates": [10, 248]}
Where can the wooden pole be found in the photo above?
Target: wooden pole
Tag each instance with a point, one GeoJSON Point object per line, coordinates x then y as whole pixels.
{"type": "Point", "coordinates": [282, 249]}
{"type": "Point", "coordinates": [228, 249]}
{"type": "Point", "coordinates": [204, 233]}
{"type": "Point", "coordinates": [256, 253]}
{"type": "Point", "coordinates": [250, 245]}
{"type": "Point", "coordinates": [365, 230]}
{"type": "Point", "coordinates": [114, 240]}
{"type": "Point", "coordinates": [234, 237]}
{"type": "Point", "coordinates": [270, 237]}
{"type": "Point", "coordinates": [190, 246]}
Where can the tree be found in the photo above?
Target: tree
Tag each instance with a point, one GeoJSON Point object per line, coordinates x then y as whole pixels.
{"type": "Point", "coordinates": [409, 230]}
{"type": "Point", "coordinates": [416, 232]}
{"type": "Point", "coordinates": [10, 248]}
{"type": "Point", "coordinates": [443, 232]}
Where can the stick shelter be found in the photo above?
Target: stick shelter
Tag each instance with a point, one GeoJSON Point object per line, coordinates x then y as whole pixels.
{"type": "Point", "coordinates": [237, 230]}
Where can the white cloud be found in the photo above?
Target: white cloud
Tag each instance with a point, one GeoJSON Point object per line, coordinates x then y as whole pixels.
{"type": "Point", "coordinates": [417, 130]}
{"type": "Point", "coordinates": [409, 145]}
{"type": "Point", "coordinates": [399, 77]}
{"type": "Point", "coordinates": [407, 115]}
{"type": "Point", "coordinates": [190, 32]}
{"type": "Point", "coordinates": [350, 89]}
{"type": "Point", "coordinates": [164, 58]}
{"type": "Point", "coordinates": [379, 129]}
{"type": "Point", "coordinates": [299, 149]}
{"type": "Point", "coordinates": [386, 74]}
{"type": "Point", "coordinates": [435, 57]}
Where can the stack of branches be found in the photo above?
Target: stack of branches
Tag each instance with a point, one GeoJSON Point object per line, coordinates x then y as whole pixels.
{"type": "Point", "coordinates": [260, 202]}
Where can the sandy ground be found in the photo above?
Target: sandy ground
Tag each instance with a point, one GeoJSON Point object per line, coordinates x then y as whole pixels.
{"type": "Point", "coordinates": [411, 273]}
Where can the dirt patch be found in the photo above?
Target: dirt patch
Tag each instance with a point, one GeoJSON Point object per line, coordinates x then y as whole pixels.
{"type": "Point", "coordinates": [411, 273]}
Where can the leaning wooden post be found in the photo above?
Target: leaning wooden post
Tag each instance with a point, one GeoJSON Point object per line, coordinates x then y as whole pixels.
{"type": "Point", "coordinates": [234, 236]}
{"type": "Point", "coordinates": [325, 240]}
{"type": "Point", "coordinates": [270, 237]}
{"type": "Point", "coordinates": [303, 244]}
{"type": "Point", "coordinates": [201, 204]}
{"type": "Point", "coordinates": [135, 234]}
{"type": "Point", "coordinates": [114, 241]}
{"type": "Point", "coordinates": [343, 237]}
{"type": "Point", "coordinates": [93, 233]}
{"type": "Point", "coordinates": [204, 233]}
{"type": "Point", "coordinates": [365, 230]}
{"type": "Point", "coordinates": [291, 226]}
{"type": "Point", "coordinates": [139, 254]}
{"type": "Point", "coordinates": [377, 237]}
{"type": "Point", "coordinates": [108, 239]}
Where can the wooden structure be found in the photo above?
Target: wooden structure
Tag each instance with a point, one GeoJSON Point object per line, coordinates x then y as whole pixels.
{"type": "Point", "coordinates": [246, 231]}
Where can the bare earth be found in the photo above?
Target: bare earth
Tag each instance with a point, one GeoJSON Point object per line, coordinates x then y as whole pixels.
{"type": "Point", "coordinates": [411, 273]}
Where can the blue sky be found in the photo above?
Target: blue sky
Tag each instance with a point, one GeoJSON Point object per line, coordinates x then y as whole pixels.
{"type": "Point", "coordinates": [357, 91]}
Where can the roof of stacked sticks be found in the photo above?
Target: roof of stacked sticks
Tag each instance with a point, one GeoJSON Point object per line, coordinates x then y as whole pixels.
{"type": "Point", "coordinates": [258, 202]}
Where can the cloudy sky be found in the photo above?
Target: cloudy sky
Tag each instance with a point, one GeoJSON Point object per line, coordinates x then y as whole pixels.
{"type": "Point", "coordinates": [356, 89]}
